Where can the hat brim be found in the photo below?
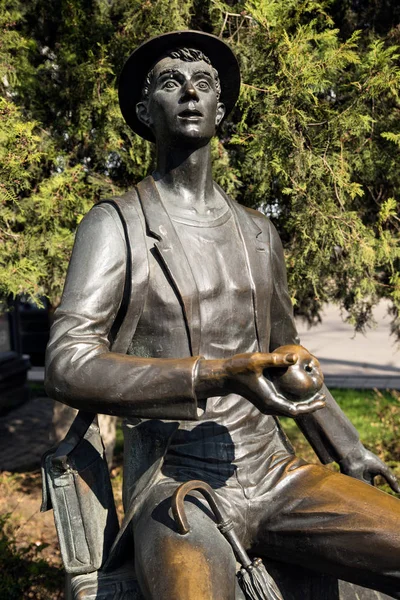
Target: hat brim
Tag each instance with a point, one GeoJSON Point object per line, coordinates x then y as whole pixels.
{"type": "Point", "coordinates": [142, 60]}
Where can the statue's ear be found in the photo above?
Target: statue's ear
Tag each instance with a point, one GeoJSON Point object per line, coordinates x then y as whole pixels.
{"type": "Point", "coordinates": [220, 113]}
{"type": "Point", "coordinates": [142, 113]}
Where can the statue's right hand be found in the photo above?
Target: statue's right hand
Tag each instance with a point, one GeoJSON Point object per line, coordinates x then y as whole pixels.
{"type": "Point", "coordinates": [244, 374]}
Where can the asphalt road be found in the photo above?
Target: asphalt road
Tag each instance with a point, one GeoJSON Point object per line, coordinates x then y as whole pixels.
{"type": "Point", "coordinates": [369, 360]}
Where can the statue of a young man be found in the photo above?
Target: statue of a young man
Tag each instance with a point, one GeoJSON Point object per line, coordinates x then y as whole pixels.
{"type": "Point", "coordinates": [208, 284]}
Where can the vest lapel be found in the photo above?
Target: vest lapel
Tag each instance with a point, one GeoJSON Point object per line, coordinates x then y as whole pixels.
{"type": "Point", "coordinates": [173, 257]}
{"type": "Point", "coordinates": [258, 260]}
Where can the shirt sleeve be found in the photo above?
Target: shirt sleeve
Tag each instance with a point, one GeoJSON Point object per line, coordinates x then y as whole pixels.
{"type": "Point", "coordinates": [81, 370]}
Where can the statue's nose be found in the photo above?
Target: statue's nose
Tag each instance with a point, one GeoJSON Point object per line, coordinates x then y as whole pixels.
{"type": "Point", "coordinates": [190, 91]}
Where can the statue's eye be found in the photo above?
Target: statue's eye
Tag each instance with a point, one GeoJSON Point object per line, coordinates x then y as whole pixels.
{"type": "Point", "coordinates": [170, 84]}
{"type": "Point", "coordinates": [203, 85]}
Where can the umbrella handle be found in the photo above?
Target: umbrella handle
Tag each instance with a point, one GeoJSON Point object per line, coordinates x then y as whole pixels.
{"type": "Point", "coordinates": [224, 524]}
{"type": "Point", "coordinates": [178, 507]}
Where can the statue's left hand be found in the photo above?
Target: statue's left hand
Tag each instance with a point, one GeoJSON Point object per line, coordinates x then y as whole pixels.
{"type": "Point", "coordinates": [362, 464]}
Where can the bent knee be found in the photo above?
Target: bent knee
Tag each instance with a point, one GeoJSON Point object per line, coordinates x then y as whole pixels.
{"type": "Point", "coordinates": [197, 566]}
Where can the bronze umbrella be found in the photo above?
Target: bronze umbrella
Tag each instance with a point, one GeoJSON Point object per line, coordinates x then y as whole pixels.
{"type": "Point", "coordinates": [254, 580]}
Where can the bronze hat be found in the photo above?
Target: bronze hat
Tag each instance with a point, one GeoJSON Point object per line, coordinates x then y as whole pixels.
{"type": "Point", "coordinates": [142, 60]}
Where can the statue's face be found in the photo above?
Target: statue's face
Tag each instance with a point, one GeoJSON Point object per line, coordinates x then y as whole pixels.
{"type": "Point", "coordinates": [183, 105]}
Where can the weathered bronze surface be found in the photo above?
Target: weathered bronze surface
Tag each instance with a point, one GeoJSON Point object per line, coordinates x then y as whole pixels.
{"type": "Point", "coordinates": [255, 581]}
{"type": "Point", "coordinates": [174, 309]}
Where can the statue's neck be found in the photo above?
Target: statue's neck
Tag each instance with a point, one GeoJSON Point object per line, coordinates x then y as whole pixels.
{"type": "Point", "coordinates": [184, 176]}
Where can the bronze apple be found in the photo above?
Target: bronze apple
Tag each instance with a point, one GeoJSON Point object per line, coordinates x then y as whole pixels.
{"type": "Point", "coordinates": [299, 381]}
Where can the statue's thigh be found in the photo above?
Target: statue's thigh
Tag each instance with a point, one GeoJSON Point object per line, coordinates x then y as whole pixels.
{"type": "Point", "coordinates": [320, 519]}
{"type": "Point", "coordinates": [196, 566]}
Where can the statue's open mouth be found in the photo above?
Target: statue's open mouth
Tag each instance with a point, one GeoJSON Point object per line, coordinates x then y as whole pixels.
{"type": "Point", "coordinates": [192, 115]}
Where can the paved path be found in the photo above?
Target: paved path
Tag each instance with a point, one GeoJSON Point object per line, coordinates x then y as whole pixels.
{"type": "Point", "coordinates": [356, 361]}
{"type": "Point", "coordinates": [25, 435]}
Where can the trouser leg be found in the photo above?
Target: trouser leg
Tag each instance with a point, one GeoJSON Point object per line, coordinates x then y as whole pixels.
{"type": "Point", "coordinates": [196, 566]}
{"type": "Point", "coordinates": [332, 523]}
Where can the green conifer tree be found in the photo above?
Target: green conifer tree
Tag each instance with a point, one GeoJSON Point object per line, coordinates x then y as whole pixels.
{"type": "Point", "coordinates": [313, 142]}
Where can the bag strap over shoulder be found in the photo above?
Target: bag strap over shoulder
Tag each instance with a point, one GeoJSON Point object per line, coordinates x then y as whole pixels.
{"type": "Point", "coordinates": [137, 270]}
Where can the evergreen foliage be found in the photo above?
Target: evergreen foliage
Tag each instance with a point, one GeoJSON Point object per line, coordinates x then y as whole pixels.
{"type": "Point", "coordinates": [314, 141]}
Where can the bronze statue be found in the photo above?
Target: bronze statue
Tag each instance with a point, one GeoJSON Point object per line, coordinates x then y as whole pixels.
{"type": "Point", "coordinates": [174, 304]}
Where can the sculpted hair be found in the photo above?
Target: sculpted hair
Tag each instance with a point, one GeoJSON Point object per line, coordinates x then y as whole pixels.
{"type": "Point", "coordinates": [187, 55]}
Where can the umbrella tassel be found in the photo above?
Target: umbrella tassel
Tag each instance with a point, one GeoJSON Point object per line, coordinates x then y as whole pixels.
{"type": "Point", "coordinates": [254, 580]}
{"type": "Point", "coordinates": [257, 584]}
